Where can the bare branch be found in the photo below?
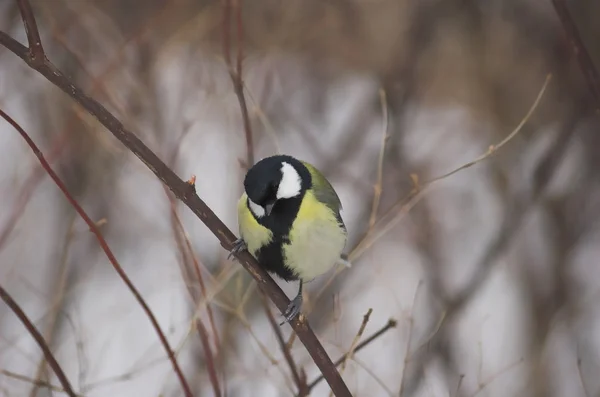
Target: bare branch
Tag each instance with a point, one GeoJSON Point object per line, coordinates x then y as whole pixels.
{"type": "Point", "coordinates": [111, 257]}
{"type": "Point", "coordinates": [185, 192]}
{"type": "Point", "coordinates": [390, 324]}
{"type": "Point", "coordinates": [14, 306]}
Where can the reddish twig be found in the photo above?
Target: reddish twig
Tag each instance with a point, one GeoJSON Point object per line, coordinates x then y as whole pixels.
{"type": "Point", "coordinates": [113, 260]}
{"type": "Point", "coordinates": [185, 192]}
{"type": "Point", "coordinates": [212, 372]}
{"type": "Point", "coordinates": [36, 51]}
{"type": "Point", "coordinates": [14, 306]}
{"type": "Point", "coordinates": [583, 57]}
{"type": "Point", "coordinates": [179, 229]}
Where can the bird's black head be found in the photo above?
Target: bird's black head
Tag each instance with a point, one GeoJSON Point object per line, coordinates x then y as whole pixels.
{"type": "Point", "coordinates": [274, 179]}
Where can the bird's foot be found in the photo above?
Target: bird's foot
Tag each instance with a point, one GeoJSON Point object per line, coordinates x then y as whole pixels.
{"type": "Point", "coordinates": [293, 309]}
{"type": "Point", "coordinates": [344, 260]}
{"type": "Point", "coordinates": [239, 245]}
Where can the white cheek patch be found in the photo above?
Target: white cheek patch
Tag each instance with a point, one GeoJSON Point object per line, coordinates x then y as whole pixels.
{"type": "Point", "coordinates": [290, 184]}
{"type": "Point", "coordinates": [256, 209]}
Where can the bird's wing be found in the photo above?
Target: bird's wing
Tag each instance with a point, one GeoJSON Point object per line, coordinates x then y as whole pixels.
{"type": "Point", "coordinates": [323, 190]}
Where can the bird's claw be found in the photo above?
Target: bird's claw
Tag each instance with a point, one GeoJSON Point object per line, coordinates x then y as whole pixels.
{"type": "Point", "coordinates": [293, 309]}
{"type": "Point", "coordinates": [239, 245]}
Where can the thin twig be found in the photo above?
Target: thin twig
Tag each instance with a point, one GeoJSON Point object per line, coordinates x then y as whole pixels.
{"type": "Point", "coordinates": [402, 207]}
{"type": "Point", "coordinates": [113, 260]}
{"type": "Point", "coordinates": [236, 73]}
{"type": "Point", "coordinates": [487, 382]}
{"type": "Point", "coordinates": [361, 330]}
{"type": "Point", "coordinates": [57, 301]}
{"type": "Point", "coordinates": [411, 323]}
{"type": "Point", "coordinates": [350, 353]}
{"type": "Point", "coordinates": [196, 263]}
{"type": "Point", "coordinates": [378, 188]}
{"type": "Point", "coordinates": [187, 195]}
{"type": "Point", "coordinates": [212, 372]}
{"type": "Point", "coordinates": [14, 306]}
{"type": "Point", "coordinates": [494, 148]}
{"type": "Point", "coordinates": [390, 324]}
{"type": "Point", "coordinates": [586, 63]}
{"type": "Point", "coordinates": [36, 51]}
{"type": "Point", "coordinates": [180, 236]}
{"type": "Point", "coordinates": [300, 383]}
{"type": "Point", "coordinates": [36, 382]}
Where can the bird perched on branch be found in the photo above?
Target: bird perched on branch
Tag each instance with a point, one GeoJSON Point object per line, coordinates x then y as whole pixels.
{"type": "Point", "coordinates": [289, 220]}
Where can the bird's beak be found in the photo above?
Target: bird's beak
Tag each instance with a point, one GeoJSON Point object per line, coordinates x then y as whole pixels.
{"type": "Point", "coordinates": [269, 208]}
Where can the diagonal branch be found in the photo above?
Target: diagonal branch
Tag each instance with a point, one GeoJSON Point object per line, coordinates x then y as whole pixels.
{"type": "Point", "coordinates": [111, 257]}
{"type": "Point", "coordinates": [14, 306]}
{"type": "Point", "coordinates": [186, 193]}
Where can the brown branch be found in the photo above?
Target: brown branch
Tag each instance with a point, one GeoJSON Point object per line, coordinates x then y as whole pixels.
{"type": "Point", "coordinates": [212, 372]}
{"type": "Point", "coordinates": [14, 306]}
{"type": "Point", "coordinates": [113, 260]}
{"type": "Point", "coordinates": [583, 57]}
{"type": "Point", "coordinates": [187, 195]}
{"type": "Point", "coordinates": [390, 324]}
{"type": "Point", "coordinates": [36, 51]}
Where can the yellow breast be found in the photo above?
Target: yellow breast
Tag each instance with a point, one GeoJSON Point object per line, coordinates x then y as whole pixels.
{"type": "Point", "coordinates": [316, 239]}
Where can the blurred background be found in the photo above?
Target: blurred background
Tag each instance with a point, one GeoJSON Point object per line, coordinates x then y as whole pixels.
{"type": "Point", "coordinates": [489, 273]}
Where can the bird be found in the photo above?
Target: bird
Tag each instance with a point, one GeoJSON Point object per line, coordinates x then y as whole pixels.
{"type": "Point", "coordinates": [289, 220]}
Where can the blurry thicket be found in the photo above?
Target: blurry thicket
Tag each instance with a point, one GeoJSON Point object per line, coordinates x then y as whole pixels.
{"type": "Point", "coordinates": [491, 276]}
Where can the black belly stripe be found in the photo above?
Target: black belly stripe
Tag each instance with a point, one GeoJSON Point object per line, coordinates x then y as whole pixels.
{"type": "Point", "coordinates": [270, 257]}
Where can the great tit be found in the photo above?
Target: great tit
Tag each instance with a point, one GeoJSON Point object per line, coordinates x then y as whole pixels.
{"type": "Point", "coordinates": [289, 220]}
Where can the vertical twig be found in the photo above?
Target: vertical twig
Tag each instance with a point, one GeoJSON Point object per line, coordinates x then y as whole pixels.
{"type": "Point", "coordinates": [300, 382]}
{"type": "Point", "coordinates": [36, 51]}
{"type": "Point", "coordinates": [236, 73]}
{"type": "Point", "coordinates": [14, 306]}
{"type": "Point", "coordinates": [378, 188]}
{"type": "Point", "coordinates": [57, 301]}
{"type": "Point", "coordinates": [212, 372]}
{"type": "Point", "coordinates": [177, 222]}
